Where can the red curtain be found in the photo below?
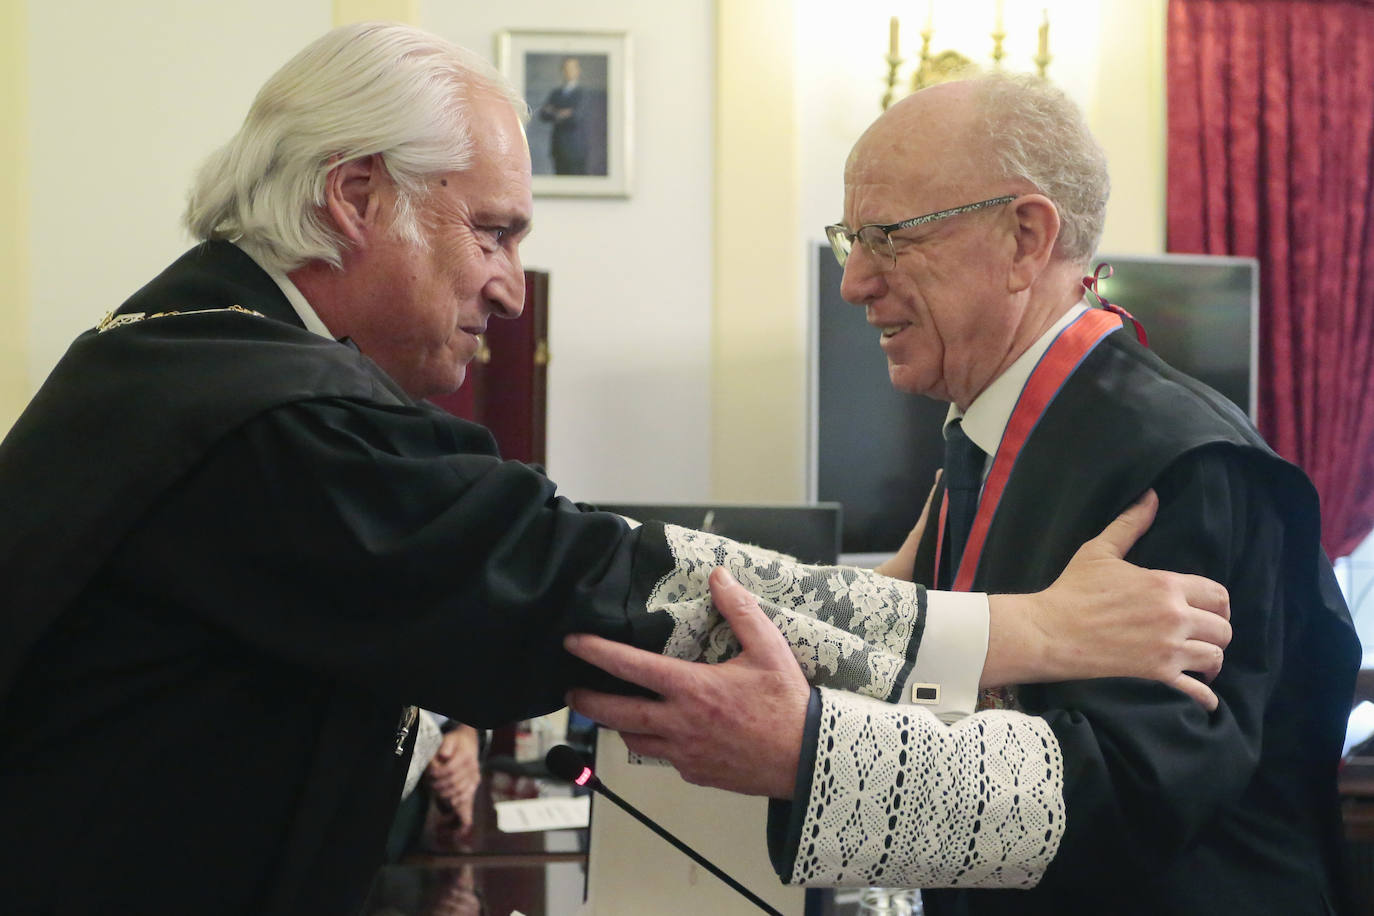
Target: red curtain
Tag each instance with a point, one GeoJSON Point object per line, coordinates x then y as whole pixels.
{"type": "Point", "coordinates": [1271, 150]}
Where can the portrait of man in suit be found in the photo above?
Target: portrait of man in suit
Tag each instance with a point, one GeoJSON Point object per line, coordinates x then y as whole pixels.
{"type": "Point", "coordinates": [568, 127]}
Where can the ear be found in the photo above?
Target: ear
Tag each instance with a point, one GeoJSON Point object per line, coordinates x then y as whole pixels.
{"type": "Point", "coordinates": [1037, 229]}
{"type": "Point", "coordinates": [353, 193]}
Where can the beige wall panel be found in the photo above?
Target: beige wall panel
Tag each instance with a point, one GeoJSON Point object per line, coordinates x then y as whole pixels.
{"type": "Point", "coordinates": [14, 210]}
{"type": "Point", "coordinates": [1128, 118]}
{"type": "Point", "coordinates": [346, 11]}
{"type": "Point", "coordinates": [125, 102]}
{"type": "Point", "coordinates": [758, 342]}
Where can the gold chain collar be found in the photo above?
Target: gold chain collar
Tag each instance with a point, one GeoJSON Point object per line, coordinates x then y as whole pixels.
{"type": "Point", "coordinates": [112, 321]}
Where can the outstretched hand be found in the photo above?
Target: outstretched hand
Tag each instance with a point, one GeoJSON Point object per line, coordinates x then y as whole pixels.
{"type": "Point", "coordinates": [1104, 617]}
{"type": "Point", "coordinates": [737, 725]}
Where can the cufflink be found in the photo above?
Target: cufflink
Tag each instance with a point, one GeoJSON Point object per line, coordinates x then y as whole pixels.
{"type": "Point", "coordinates": [925, 694]}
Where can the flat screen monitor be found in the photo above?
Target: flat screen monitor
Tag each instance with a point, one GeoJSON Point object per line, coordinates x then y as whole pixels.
{"type": "Point", "coordinates": [875, 450]}
{"type": "Point", "coordinates": [1201, 313]}
{"type": "Point", "coordinates": [810, 532]}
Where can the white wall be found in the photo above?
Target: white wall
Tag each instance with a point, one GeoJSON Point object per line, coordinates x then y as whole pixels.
{"type": "Point", "coordinates": [630, 279]}
{"type": "Point", "coordinates": [125, 102]}
{"type": "Point", "coordinates": [14, 209]}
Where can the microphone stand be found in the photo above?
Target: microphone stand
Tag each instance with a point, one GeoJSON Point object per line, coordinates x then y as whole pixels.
{"type": "Point", "coordinates": [563, 758]}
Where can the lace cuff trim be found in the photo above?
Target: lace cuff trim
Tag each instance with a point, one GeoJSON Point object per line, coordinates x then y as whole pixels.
{"type": "Point", "coordinates": [850, 628]}
{"type": "Point", "coordinates": [900, 800]}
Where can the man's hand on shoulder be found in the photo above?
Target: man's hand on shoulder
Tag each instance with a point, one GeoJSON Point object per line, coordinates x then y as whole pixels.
{"type": "Point", "coordinates": [1104, 617]}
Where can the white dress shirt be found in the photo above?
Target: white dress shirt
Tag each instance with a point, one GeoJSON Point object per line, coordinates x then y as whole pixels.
{"type": "Point", "coordinates": [987, 417]}
{"type": "Point", "coordinates": [293, 295]}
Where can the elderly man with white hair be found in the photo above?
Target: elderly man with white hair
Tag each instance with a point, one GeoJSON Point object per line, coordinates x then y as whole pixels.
{"type": "Point", "coordinates": [239, 549]}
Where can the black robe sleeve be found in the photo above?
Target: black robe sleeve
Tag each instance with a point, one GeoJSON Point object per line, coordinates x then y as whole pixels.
{"type": "Point", "coordinates": [1147, 769]}
{"type": "Point", "coordinates": [394, 550]}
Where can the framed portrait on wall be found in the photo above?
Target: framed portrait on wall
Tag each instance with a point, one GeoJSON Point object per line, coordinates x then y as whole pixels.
{"type": "Point", "coordinates": [578, 87]}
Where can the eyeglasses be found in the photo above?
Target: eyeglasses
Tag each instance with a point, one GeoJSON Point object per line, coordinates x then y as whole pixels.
{"type": "Point", "coordinates": [878, 239]}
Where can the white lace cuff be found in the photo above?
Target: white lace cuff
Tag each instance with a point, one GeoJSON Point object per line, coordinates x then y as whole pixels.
{"type": "Point", "coordinates": [850, 628]}
{"type": "Point", "coordinates": [900, 800]}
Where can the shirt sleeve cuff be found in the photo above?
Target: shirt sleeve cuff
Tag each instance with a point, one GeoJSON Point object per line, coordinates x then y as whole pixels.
{"type": "Point", "coordinates": [954, 647]}
{"type": "Point", "coordinates": [785, 818]}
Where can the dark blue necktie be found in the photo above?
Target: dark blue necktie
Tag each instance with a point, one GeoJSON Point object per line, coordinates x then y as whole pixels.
{"type": "Point", "coordinates": [963, 479]}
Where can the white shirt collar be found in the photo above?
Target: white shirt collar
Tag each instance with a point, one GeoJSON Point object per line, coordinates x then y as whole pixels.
{"type": "Point", "coordinates": [293, 295]}
{"type": "Point", "coordinates": [987, 417]}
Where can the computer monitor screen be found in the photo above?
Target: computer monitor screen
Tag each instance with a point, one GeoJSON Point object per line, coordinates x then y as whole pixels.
{"type": "Point", "coordinates": [810, 532]}
{"type": "Point", "coordinates": [1201, 314]}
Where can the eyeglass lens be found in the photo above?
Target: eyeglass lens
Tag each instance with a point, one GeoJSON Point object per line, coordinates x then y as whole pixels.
{"type": "Point", "coordinates": [871, 237]}
{"type": "Point", "coordinates": [878, 243]}
{"type": "Point", "coordinates": [840, 242]}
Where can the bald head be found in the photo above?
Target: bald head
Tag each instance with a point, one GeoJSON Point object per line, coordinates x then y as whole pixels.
{"type": "Point", "coordinates": [1010, 128]}
{"type": "Point", "coordinates": [929, 137]}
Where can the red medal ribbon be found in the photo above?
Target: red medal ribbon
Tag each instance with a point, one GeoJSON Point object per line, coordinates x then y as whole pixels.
{"type": "Point", "coordinates": [1054, 368]}
{"type": "Point", "coordinates": [1104, 271]}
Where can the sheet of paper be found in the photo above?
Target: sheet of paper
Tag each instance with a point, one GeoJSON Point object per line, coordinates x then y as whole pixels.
{"type": "Point", "coordinates": [1360, 726]}
{"type": "Point", "coordinates": [526, 814]}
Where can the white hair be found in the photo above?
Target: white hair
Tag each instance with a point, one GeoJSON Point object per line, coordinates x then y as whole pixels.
{"type": "Point", "coordinates": [1035, 132]}
{"type": "Point", "coordinates": [363, 89]}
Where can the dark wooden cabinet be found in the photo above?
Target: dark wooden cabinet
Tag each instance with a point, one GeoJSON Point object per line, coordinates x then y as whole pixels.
{"type": "Point", "coordinates": [507, 383]}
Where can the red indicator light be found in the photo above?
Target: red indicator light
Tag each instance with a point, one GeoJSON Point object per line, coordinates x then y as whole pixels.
{"type": "Point", "coordinates": [584, 777]}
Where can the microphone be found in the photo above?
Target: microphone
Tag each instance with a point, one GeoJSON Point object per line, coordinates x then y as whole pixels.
{"type": "Point", "coordinates": [567, 764]}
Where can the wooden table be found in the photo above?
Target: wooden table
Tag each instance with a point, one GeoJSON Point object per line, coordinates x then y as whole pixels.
{"type": "Point", "coordinates": [486, 871]}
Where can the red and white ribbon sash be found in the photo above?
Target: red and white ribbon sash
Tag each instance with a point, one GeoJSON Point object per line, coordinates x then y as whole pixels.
{"type": "Point", "coordinates": [1049, 375]}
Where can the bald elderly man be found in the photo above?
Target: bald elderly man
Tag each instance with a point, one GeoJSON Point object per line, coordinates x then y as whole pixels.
{"type": "Point", "coordinates": [971, 212]}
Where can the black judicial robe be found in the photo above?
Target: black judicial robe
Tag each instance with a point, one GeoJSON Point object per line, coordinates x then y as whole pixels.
{"type": "Point", "coordinates": [232, 554]}
{"type": "Point", "coordinates": [1170, 809]}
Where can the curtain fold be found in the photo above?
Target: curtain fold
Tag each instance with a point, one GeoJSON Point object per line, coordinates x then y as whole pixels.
{"type": "Point", "coordinates": [1270, 154]}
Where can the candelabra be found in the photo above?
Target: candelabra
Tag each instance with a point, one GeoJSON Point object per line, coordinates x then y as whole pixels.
{"type": "Point", "coordinates": [937, 67]}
